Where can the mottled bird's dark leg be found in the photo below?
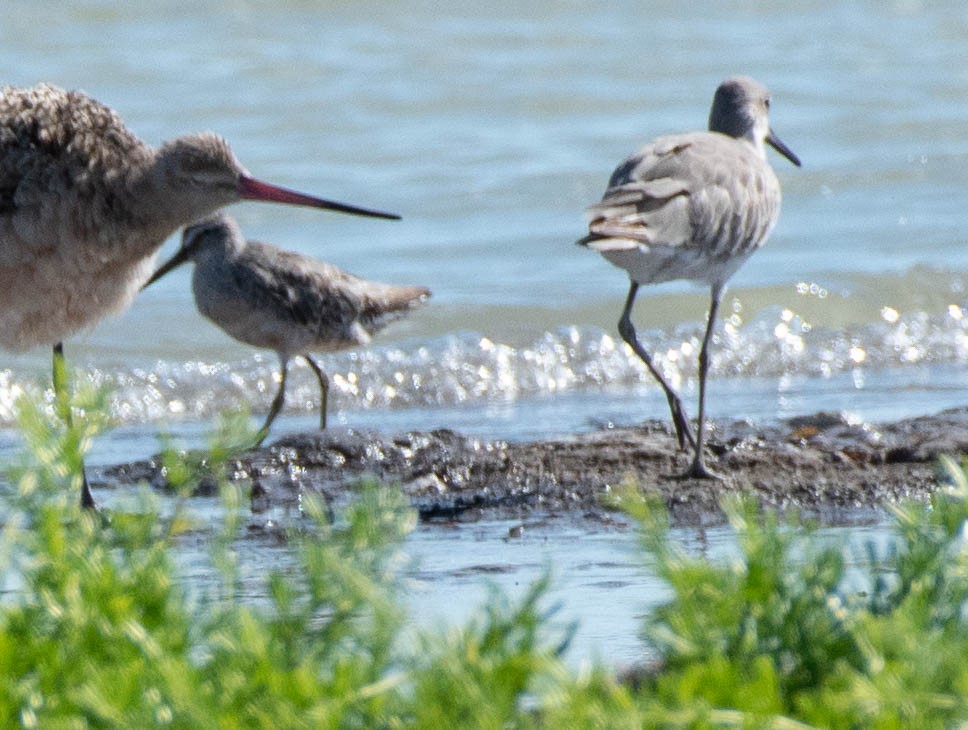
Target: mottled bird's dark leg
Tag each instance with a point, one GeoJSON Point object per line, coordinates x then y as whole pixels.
{"type": "Point", "coordinates": [63, 399]}
{"type": "Point", "coordinates": [323, 390]}
{"type": "Point", "coordinates": [277, 402]}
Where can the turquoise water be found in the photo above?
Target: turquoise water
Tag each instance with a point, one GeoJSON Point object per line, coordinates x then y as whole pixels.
{"type": "Point", "coordinates": [490, 127]}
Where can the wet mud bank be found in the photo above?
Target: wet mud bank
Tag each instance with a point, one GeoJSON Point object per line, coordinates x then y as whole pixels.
{"type": "Point", "coordinates": [816, 463]}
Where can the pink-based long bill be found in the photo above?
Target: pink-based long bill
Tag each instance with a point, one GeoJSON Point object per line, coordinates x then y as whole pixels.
{"type": "Point", "coordinates": [252, 189]}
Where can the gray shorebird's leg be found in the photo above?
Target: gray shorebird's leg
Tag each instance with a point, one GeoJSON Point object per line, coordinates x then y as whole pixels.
{"type": "Point", "coordinates": [323, 390]}
{"type": "Point", "coordinates": [627, 330]}
{"type": "Point", "coordinates": [62, 395]}
{"type": "Point", "coordinates": [277, 402]}
{"type": "Point", "coordinates": [698, 468]}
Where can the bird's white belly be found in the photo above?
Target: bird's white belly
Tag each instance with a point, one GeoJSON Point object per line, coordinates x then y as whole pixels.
{"type": "Point", "coordinates": [50, 298]}
{"type": "Point", "coordinates": [657, 264]}
{"type": "Point", "coordinates": [255, 327]}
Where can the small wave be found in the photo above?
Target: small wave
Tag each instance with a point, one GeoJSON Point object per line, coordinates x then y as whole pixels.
{"type": "Point", "coordinates": [471, 368]}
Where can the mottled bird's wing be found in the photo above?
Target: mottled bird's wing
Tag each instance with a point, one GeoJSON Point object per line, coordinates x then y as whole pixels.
{"type": "Point", "coordinates": [333, 303]}
{"type": "Point", "coordinates": [56, 146]}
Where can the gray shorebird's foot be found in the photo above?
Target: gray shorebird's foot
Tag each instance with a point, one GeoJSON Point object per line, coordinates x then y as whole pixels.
{"type": "Point", "coordinates": [699, 470]}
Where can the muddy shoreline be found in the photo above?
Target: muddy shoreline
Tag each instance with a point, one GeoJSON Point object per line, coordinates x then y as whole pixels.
{"type": "Point", "coordinates": [817, 463]}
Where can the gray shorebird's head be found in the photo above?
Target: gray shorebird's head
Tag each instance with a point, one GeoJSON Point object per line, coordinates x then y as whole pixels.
{"type": "Point", "coordinates": [741, 109]}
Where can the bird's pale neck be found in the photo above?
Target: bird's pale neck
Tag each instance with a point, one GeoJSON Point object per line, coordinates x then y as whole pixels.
{"type": "Point", "coordinates": [755, 145]}
{"type": "Point", "coordinates": [756, 142]}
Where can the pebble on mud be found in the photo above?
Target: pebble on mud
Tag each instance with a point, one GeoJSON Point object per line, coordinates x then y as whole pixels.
{"type": "Point", "coordinates": [817, 462]}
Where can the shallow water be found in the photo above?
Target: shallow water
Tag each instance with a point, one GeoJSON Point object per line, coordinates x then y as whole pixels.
{"type": "Point", "coordinates": [490, 128]}
{"type": "Point", "coordinates": [602, 585]}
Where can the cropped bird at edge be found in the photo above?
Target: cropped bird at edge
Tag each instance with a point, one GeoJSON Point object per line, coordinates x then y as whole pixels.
{"type": "Point", "coordinates": [284, 301]}
{"type": "Point", "coordinates": [85, 205]}
{"type": "Point", "coordinates": [692, 206]}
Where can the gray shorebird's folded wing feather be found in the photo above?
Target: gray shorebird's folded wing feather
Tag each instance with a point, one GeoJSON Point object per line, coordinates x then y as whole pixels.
{"type": "Point", "coordinates": [648, 212]}
{"type": "Point", "coordinates": [647, 200]}
{"type": "Point", "coordinates": [685, 191]}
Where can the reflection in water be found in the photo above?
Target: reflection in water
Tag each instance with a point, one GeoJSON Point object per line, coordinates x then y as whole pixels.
{"type": "Point", "coordinates": [600, 578]}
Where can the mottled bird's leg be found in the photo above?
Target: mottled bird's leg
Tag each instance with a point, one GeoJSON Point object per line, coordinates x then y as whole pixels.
{"type": "Point", "coordinates": [62, 397]}
{"type": "Point", "coordinates": [323, 390]}
{"type": "Point", "coordinates": [627, 330]}
{"type": "Point", "coordinates": [277, 402]}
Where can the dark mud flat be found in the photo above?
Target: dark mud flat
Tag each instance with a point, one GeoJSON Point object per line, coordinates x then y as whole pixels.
{"type": "Point", "coordinates": [816, 463]}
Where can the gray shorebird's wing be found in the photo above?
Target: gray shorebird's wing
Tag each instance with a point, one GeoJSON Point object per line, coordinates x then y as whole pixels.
{"type": "Point", "coordinates": [704, 191]}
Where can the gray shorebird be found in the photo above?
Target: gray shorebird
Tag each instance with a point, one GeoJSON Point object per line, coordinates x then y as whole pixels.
{"type": "Point", "coordinates": [85, 205]}
{"type": "Point", "coordinates": [283, 301]}
{"type": "Point", "coordinates": [692, 206]}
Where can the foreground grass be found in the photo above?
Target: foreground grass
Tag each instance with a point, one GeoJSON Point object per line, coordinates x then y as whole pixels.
{"type": "Point", "coordinates": [96, 629]}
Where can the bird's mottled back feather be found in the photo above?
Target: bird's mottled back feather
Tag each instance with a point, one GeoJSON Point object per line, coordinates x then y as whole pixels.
{"type": "Point", "coordinates": [53, 140]}
{"type": "Point", "coordinates": [294, 304]}
{"type": "Point", "coordinates": [61, 154]}
{"type": "Point", "coordinates": [322, 296]}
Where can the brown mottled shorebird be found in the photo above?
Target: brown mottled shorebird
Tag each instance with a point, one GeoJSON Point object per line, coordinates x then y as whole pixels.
{"type": "Point", "coordinates": [85, 205]}
{"type": "Point", "coordinates": [283, 301]}
{"type": "Point", "coordinates": [692, 206]}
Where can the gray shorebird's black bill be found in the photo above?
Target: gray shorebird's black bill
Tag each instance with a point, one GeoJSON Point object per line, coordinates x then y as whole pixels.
{"type": "Point", "coordinates": [775, 143]}
{"type": "Point", "coordinates": [252, 189]}
{"type": "Point", "coordinates": [180, 257]}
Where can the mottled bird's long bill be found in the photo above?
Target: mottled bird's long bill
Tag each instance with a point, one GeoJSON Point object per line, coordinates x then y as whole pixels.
{"type": "Point", "coordinates": [252, 189]}
{"type": "Point", "coordinates": [180, 257]}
